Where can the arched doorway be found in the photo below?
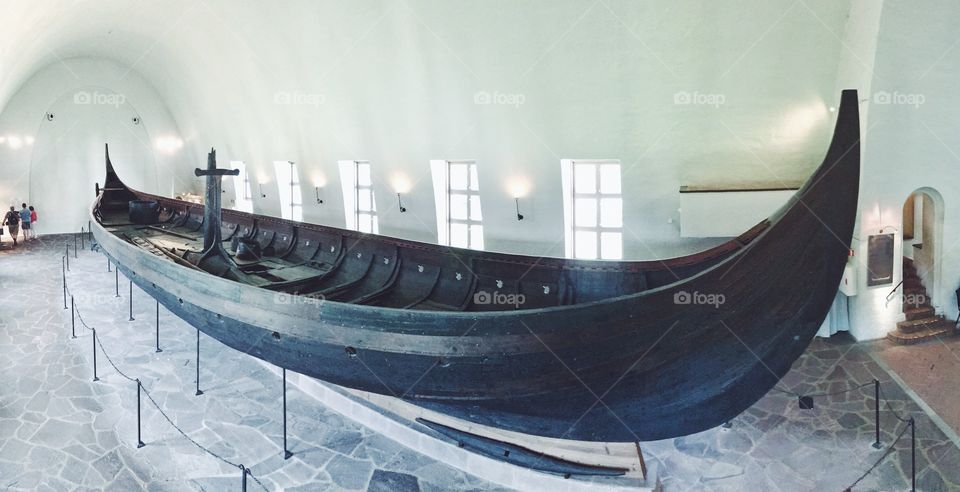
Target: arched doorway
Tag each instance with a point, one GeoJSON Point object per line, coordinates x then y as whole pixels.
{"type": "Point", "coordinates": [68, 155]}
{"type": "Point", "coordinates": [923, 239]}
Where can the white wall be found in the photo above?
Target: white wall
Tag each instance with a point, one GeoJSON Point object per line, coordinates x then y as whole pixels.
{"type": "Point", "coordinates": [395, 83]}
{"type": "Point", "coordinates": [913, 142]}
{"type": "Point", "coordinates": [93, 101]}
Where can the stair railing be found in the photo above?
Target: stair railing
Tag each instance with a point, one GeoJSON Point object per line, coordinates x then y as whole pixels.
{"type": "Point", "coordinates": [892, 292]}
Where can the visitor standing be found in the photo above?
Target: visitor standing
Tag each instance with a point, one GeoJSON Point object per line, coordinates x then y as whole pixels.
{"type": "Point", "coordinates": [33, 223]}
{"type": "Point", "coordinates": [12, 221]}
{"type": "Point", "coordinates": [25, 221]}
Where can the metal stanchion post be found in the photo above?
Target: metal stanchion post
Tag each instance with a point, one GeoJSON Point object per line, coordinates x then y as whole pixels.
{"type": "Point", "coordinates": [286, 452]}
{"type": "Point", "coordinates": [63, 269]}
{"type": "Point", "coordinates": [131, 301]}
{"type": "Point", "coordinates": [108, 263]}
{"type": "Point", "coordinates": [67, 256]}
{"type": "Point", "coordinates": [94, 339]}
{"type": "Point", "coordinates": [140, 443]}
{"type": "Point", "coordinates": [198, 393]}
{"type": "Point", "coordinates": [74, 244]}
{"type": "Point", "coordinates": [83, 236]}
{"type": "Point", "coordinates": [913, 455]}
{"type": "Point", "coordinates": [876, 412]}
{"type": "Point", "coordinates": [243, 485]}
{"type": "Point", "coordinates": [116, 280]}
{"type": "Point", "coordinates": [73, 319]}
{"type": "Point", "coordinates": [158, 328]}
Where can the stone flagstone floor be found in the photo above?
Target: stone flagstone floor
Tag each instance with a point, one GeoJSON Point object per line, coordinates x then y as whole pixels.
{"type": "Point", "coordinates": [61, 431]}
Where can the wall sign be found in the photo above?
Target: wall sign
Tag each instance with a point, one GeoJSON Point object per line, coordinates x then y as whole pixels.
{"type": "Point", "coordinates": [880, 259]}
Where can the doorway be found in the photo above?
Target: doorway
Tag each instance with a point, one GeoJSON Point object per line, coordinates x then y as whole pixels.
{"type": "Point", "coordinates": [922, 241]}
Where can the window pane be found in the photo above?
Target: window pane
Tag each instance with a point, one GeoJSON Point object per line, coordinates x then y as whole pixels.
{"type": "Point", "coordinates": [584, 178]}
{"type": "Point", "coordinates": [458, 176]}
{"type": "Point", "coordinates": [585, 212]}
{"type": "Point", "coordinates": [364, 200]}
{"type": "Point", "coordinates": [476, 236]}
{"type": "Point", "coordinates": [611, 246]}
{"type": "Point", "coordinates": [610, 178]}
{"type": "Point", "coordinates": [458, 207]}
{"type": "Point", "coordinates": [363, 174]}
{"type": "Point", "coordinates": [364, 223]}
{"type": "Point", "coordinates": [474, 180]}
{"type": "Point", "coordinates": [458, 236]}
{"type": "Point", "coordinates": [475, 208]}
{"type": "Point", "coordinates": [585, 245]}
{"type": "Point", "coordinates": [611, 212]}
{"type": "Point", "coordinates": [376, 225]}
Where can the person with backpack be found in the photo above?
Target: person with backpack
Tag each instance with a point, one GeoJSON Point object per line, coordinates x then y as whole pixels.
{"type": "Point", "coordinates": [33, 223]}
{"type": "Point", "coordinates": [12, 221]}
{"type": "Point", "coordinates": [25, 221]}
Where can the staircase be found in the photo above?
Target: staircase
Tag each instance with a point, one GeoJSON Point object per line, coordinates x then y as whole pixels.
{"type": "Point", "coordinates": [922, 322]}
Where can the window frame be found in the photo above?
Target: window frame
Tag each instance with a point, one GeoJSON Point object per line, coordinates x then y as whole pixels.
{"type": "Point", "coordinates": [357, 187]}
{"type": "Point", "coordinates": [471, 190]}
{"type": "Point", "coordinates": [569, 171]}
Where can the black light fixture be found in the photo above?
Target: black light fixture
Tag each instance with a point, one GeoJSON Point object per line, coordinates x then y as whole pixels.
{"type": "Point", "coordinates": [400, 203]}
{"type": "Point", "coordinates": [519, 215]}
{"type": "Point", "coordinates": [317, 190]}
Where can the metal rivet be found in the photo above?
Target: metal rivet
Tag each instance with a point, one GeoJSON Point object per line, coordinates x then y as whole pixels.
{"type": "Point", "coordinates": [332, 249]}
{"type": "Point", "coordinates": [420, 268]}
{"type": "Point", "coordinates": [386, 261]}
{"type": "Point", "coordinates": [499, 284]}
{"type": "Point", "coordinates": [546, 289]}
{"type": "Point", "coordinates": [284, 238]}
{"type": "Point", "coordinates": [308, 243]}
{"type": "Point", "coordinates": [359, 255]}
{"type": "Point", "coordinates": [459, 276]}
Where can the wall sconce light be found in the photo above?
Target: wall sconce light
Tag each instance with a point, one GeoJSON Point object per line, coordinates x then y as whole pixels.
{"type": "Point", "coordinates": [400, 203]}
{"type": "Point", "coordinates": [519, 215]}
{"type": "Point", "coordinates": [317, 190]}
{"type": "Point", "coordinates": [262, 194]}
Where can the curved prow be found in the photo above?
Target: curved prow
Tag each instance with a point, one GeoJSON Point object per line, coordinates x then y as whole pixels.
{"type": "Point", "coordinates": [116, 195]}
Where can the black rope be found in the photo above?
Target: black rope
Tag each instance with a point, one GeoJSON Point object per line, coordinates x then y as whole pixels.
{"type": "Point", "coordinates": [155, 404]}
{"type": "Point", "coordinates": [817, 395]}
{"type": "Point", "coordinates": [105, 354]}
{"type": "Point", "coordinates": [880, 460]}
{"type": "Point", "coordinates": [886, 403]}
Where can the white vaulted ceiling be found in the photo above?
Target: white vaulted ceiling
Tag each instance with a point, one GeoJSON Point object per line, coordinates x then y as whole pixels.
{"type": "Point", "coordinates": [395, 81]}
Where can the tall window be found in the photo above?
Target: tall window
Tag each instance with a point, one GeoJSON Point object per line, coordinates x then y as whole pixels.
{"type": "Point", "coordinates": [593, 209]}
{"type": "Point", "coordinates": [360, 203]}
{"type": "Point", "coordinates": [243, 200]}
{"type": "Point", "coordinates": [457, 192]}
{"type": "Point", "coordinates": [288, 184]}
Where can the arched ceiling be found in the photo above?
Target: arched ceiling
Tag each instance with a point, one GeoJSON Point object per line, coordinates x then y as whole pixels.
{"type": "Point", "coordinates": [394, 81]}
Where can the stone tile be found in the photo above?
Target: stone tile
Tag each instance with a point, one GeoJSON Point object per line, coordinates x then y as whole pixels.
{"type": "Point", "coordinates": [387, 481]}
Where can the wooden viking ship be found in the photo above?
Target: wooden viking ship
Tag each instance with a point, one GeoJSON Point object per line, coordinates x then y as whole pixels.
{"type": "Point", "coordinates": [597, 351]}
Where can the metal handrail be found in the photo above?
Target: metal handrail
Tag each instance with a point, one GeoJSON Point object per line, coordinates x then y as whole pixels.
{"type": "Point", "coordinates": [894, 290]}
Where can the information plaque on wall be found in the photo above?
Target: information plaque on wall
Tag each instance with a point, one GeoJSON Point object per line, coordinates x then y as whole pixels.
{"type": "Point", "coordinates": [880, 259]}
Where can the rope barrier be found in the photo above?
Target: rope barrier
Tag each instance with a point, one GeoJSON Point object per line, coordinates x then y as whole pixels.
{"type": "Point", "coordinates": [879, 460]}
{"type": "Point", "coordinates": [818, 395]}
{"type": "Point", "coordinates": [247, 471]}
{"type": "Point", "coordinates": [243, 469]}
